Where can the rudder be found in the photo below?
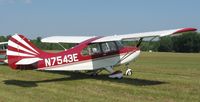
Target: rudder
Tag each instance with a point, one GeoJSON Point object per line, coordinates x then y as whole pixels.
{"type": "Point", "coordinates": [20, 48]}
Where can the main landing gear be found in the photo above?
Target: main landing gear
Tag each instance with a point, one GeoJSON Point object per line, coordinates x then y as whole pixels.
{"type": "Point", "coordinates": [114, 74]}
{"type": "Point", "coordinates": [117, 74]}
{"type": "Point", "coordinates": [128, 70]}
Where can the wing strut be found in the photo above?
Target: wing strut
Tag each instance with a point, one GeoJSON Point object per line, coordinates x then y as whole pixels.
{"type": "Point", "coordinates": [62, 46]}
{"type": "Point", "coordinates": [140, 41]}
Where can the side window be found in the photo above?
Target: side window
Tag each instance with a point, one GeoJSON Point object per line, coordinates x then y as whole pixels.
{"type": "Point", "coordinates": [108, 47]}
{"type": "Point", "coordinates": [119, 44]}
{"type": "Point", "coordinates": [95, 49]}
{"type": "Point", "coordinates": [85, 51]}
{"type": "Point", "coordinates": [112, 46]}
{"type": "Point", "coordinates": [105, 47]}
{"type": "Point", "coordinates": [91, 49]}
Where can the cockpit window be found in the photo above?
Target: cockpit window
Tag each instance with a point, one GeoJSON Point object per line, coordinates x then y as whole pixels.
{"type": "Point", "coordinates": [98, 48]}
{"type": "Point", "coordinates": [105, 47]}
{"type": "Point", "coordinates": [112, 46]}
{"type": "Point", "coordinates": [119, 44]}
{"type": "Point", "coordinates": [108, 47]}
{"type": "Point", "coordinates": [91, 49]}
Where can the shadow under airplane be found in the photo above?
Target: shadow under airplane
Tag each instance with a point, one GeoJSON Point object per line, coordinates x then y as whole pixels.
{"type": "Point", "coordinates": [80, 76]}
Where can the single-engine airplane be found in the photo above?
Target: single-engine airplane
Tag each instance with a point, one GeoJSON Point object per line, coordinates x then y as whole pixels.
{"type": "Point", "coordinates": [91, 53]}
{"type": "Point", "coordinates": [3, 48]}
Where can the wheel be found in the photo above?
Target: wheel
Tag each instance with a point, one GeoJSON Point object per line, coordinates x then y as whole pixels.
{"type": "Point", "coordinates": [129, 72]}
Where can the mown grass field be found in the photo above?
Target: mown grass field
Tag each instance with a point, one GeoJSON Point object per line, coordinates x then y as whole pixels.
{"type": "Point", "coordinates": [158, 77]}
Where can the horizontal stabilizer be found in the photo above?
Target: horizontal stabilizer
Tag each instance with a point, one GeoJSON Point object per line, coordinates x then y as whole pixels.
{"type": "Point", "coordinates": [28, 61]}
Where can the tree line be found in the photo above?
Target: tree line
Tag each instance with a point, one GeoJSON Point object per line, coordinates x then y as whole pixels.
{"type": "Point", "coordinates": [187, 42]}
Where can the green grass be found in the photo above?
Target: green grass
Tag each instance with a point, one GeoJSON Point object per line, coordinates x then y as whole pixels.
{"type": "Point", "coordinates": [158, 77]}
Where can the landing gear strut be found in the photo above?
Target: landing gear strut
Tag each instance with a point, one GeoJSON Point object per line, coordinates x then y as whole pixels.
{"type": "Point", "coordinates": [128, 71]}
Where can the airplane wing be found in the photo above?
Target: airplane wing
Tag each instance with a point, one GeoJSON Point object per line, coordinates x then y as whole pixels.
{"type": "Point", "coordinates": [144, 35]}
{"type": "Point", "coordinates": [66, 39]}
{"type": "Point", "coordinates": [79, 39]}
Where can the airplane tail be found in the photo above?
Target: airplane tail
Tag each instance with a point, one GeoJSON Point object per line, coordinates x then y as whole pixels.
{"type": "Point", "coordinates": [22, 54]}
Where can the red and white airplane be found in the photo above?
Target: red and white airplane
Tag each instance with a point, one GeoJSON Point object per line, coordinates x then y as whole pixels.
{"type": "Point", "coordinates": [92, 52]}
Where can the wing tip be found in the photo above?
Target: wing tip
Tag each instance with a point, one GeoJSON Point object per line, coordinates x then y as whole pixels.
{"type": "Point", "coordinates": [185, 30]}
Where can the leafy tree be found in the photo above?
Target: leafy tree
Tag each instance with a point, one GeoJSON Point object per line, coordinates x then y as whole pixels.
{"type": "Point", "coordinates": [187, 42]}
{"type": "Point", "coordinates": [146, 46]}
{"type": "Point", "coordinates": [3, 39]}
{"type": "Point", "coordinates": [166, 44]}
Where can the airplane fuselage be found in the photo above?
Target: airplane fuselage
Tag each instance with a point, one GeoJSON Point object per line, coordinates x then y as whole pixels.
{"type": "Point", "coordinates": [84, 56]}
{"type": "Point", "coordinates": [74, 59]}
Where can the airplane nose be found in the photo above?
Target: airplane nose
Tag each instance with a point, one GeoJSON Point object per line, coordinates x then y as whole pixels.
{"type": "Point", "coordinates": [131, 56]}
{"type": "Point", "coordinates": [137, 53]}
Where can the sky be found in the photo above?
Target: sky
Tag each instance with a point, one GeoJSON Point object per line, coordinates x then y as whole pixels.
{"type": "Point", "coordinates": [44, 18]}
